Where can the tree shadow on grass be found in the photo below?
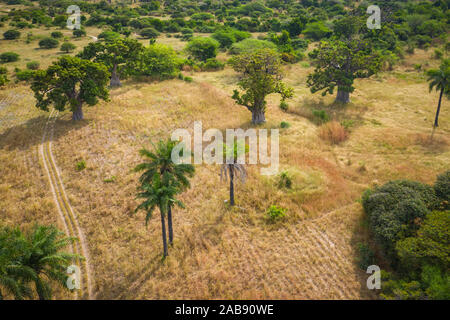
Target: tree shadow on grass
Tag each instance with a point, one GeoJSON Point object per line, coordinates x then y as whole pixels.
{"type": "Point", "coordinates": [29, 134]}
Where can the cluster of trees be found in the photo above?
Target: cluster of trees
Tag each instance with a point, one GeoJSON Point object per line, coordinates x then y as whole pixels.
{"type": "Point", "coordinates": [31, 260]}
{"type": "Point", "coordinates": [411, 223]}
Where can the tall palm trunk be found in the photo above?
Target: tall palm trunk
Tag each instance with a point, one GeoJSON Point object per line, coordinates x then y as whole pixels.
{"type": "Point", "coordinates": [169, 223]}
{"type": "Point", "coordinates": [436, 119]}
{"type": "Point", "coordinates": [164, 236]}
{"type": "Point", "coordinates": [231, 185]}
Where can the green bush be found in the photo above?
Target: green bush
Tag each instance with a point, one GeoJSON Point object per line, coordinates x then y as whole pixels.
{"type": "Point", "coordinates": [149, 33]}
{"type": "Point", "coordinates": [442, 189]}
{"type": "Point", "coordinates": [3, 76]}
{"type": "Point", "coordinates": [276, 213]}
{"type": "Point", "coordinates": [250, 45]}
{"type": "Point", "coordinates": [33, 65]}
{"type": "Point", "coordinates": [78, 33]}
{"type": "Point", "coordinates": [366, 256]}
{"type": "Point", "coordinates": [67, 47]}
{"type": "Point", "coordinates": [56, 34]}
{"type": "Point", "coordinates": [9, 57]}
{"type": "Point", "coordinates": [109, 35]}
{"type": "Point", "coordinates": [285, 124]}
{"type": "Point", "coordinates": [320, 116]}
{"type": "Point", "coordinates": [48, 43]}
{"type": "Point", "coordinates": [25, 75]}
{"type": "Point", "coordinates": [159, 61]}
{"type": "Point", "coordinates": [81, 165]}
{"type": "Point", "coordinates": [285, 180]}
{"type": "Point", "coordinates": [11, 34]}
{"type": "Point", "coordinates": [212, 64]}
{"type": "Point", "coordinates": [284, 105]}
{"type": "Point", "coordinates": [203, 48]}
{"type": "Point", "coordinates": [317, 31]}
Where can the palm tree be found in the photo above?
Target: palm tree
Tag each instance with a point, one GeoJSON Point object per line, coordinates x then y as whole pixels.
{"type": "Point", "coordinates": [159, 192]}
{"type": "Point", "coordinates": [440, 79]}
{"type": "Point", "coordinates": [14, 277]}
{"type": "Point", "coordinates": [233, 169]}
{"type": "Point", "coordinates": [44, 257]}
{"type": "Point", "coordinates": [34, 257]}
{"type": "Point", "coordinates": [160, 162]}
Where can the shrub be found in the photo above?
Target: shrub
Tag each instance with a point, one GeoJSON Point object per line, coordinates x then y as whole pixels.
{"type": "Point", "coordinates": [320, 116]}
{"type": "Point", "coordinates": [67, 47]}
{"type": "Point", "coordinates": [48, 43]}
{"type": "Point", "coordinates": [284, 105]}
{"type": "Point", "coordinates": [25, 75]}
{"type": "Point", "coordinates": [438, 54]}
{"type": "Point", "coordinates": [56, 34]}
{"type": "Point", "coordinates": [442, 189]}
{"type": "Point", "coordinates": [33, 65]}
{"type": "Point", "coordinates": [285, 125]}
{"type": "Point", "coordinates": [81, 165]}
{"type": "Point", "coordinates": [203, 48]}
{"type": "Point", "coordinates": [317, 31]}
{"type": "Point", "coordinates": [285, 181]}
{"type": "Point", "coordinates": [188, 79]}
{"type": "Point", "coordinates": [250, 45]}
{"type": "Point", "coordinates": [9, 57]}
{"type": "Point", "coordinates": [11, 34]}
{"type": "Point", "coordinates": [149, 33]}
{"type": "Point", "coordinates": [366, 256]}
{"type": "Point", "coordinates": [159, 61]}
{"type": "Point", "coordinates": [276, 213]}
{"type": "Point", "coordinates": [109, 35]}
{"type": "Point", "coordinates": [3, 76]}
{"type": "Point", "coordinates": [333, 132]}
{"type": "Point", "coordinates": [78, 33]}
{"type": "Point", "coordinates": [212, 64]}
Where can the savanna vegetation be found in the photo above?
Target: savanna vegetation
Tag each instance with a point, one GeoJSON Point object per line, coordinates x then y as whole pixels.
{"type": "Point", "coordinates": [364, 165]}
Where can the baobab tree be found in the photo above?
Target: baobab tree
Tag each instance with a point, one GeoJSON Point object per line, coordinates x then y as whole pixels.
{"type": "Point", "coordinates": [339, 63]}
{"type": "Point", "coordinates": [70, 81]}
{"type": "Point", "coordinates": [260, 75]}
{"type": "Point", "coordinates": [440, 79]}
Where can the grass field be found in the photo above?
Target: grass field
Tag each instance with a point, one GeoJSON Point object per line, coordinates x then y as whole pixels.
{"type": "Point", "coordinates": [222, 253]}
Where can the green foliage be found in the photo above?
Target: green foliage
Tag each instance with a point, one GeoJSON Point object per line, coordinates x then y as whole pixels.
{"type": "Point", "coordinates": [366, 256]}
{"type": "Point", "coordinates": [227, 36]}
{"type": "Point", "coordinates": [317, 31]}
{"type": "Point", "coordinates": [339, 63]}
{"type": "Point", "coordinates": [285, 124]}
{"type": "Point", "coordinates": [25, 75]}
{"type": "Point", "coordinates": [78, 33]}
{"type": "Point", "coordinates": [67, 47]}
{"type": "Point", "coordinates": [48, 43]}
{"type": "Point", "coordinates": [31, 261]}
{"type": "Point", "coordinates": [250, 45]}
{"type": "Point", "coordinates": [203, 48]}
{"type": "Point", "coordinates": [442, 189]}
{"type": "Point", "coordinates": [11, 34]}
{"type": "Point", "coordinates": [320, 116]}
{"type": "Point", "coordinates": [285, 180]}
{"type": "Point", "coordinates": [275, 213]}
{"type": "Point", "coordinates": [260, 76]}
{"type": "Point", "coordinates": [109, 35]}
{"type": "Point", "coordinates": [158, 61]}
{"type": "Point", "coordinates": [70, 81]}
{"type": "Point", "coordinates": [56, 34]}
{"type": "Point", "coordinates": [149, 33]}
{"type": "Point", "coordinates": [212, 64]}
{"type": "Point", "coordinates": [9, 57]}
{"type": "Point", "coordinates": [3, 76]}
{"type": "Point", "coordinates": [33, 65]}
{"type": "Point", "coordinates": [80, 165]}
{"type": "Point", "coordinates": [284, 105]}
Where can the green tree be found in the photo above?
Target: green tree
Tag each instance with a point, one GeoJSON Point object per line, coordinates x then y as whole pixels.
{"type": "Point", "coordinates": [260, 76]}
{"type": "Point", "coordinates": [120, 56]}
{"type": "Point", "coordinates": [11, 34]}
{"type": "Point", "coordinates": [149, 33]}
{"type": "Point", "coordinates": [339, 63]}
{"type": "Point", "coordinates": [440, 79]}
{"type": "Point", "coordinates": [78, 33]}
{"type": "Point", "coordinates": [160, 162]}
{"type": "Point", "coordinates": [158, 61]}
{"type": "Point", "coordinates": [203, 48]}
{"type": "Point", "coordinates": [67, 47]}
{"type": "Point", "coordinates": [9, 57]}
{"type": "Point", "coordinates": [70, 81]}
{"type": "Point", "coordinates": [48, 43]}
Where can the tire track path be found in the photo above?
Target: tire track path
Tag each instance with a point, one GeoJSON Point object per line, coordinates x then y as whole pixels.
{"type": "Point", "coordinates": [66, 213]}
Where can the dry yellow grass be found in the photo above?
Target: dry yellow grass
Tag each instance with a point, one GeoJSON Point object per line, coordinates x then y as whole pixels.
{"type": "Point", "coordinates": [221, 252]}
